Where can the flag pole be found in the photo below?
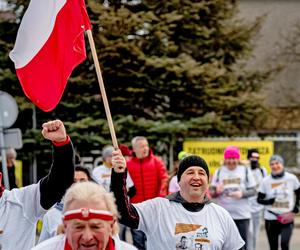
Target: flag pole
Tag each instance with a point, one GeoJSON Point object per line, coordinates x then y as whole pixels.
{"type": "Point", "coordinates": [102, 89]}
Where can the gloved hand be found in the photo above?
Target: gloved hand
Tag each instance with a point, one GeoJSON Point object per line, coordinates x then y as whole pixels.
{"type": "Point", "coordinates": [295, 210]}
{"type": "Point", "coordinates": [270, 201]}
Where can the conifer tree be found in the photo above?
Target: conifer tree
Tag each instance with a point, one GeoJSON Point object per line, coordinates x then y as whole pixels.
{"type": "Point", "coordinates": [172, 69]}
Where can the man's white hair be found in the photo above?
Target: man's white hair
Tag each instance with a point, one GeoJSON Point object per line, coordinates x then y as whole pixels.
{"type": "Point", "coordinates": [136, 139]}
{"type": "Point", "coordinates": [91, 192]}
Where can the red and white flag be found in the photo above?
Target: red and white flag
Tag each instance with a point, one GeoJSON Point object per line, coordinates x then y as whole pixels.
{"type": "Point", "coordinates": [49, 45]}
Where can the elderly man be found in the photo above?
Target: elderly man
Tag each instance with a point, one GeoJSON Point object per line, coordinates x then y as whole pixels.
{"type": "Point", "coordinates": [21, 208]}
{"type": "Point", "coordinates": [183, 217]}
{"type": "Point", "coordinates": [52, 220]}
{"type": "Point", "coordinates": [90, 221]}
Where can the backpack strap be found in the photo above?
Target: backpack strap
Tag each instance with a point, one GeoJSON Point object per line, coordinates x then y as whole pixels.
{"type": "Point", "coordinates": [246, 174]}
{"type": "Point", "coordinates": [262, 172]}
{"type": "Point", "coordinates": [218, 175]}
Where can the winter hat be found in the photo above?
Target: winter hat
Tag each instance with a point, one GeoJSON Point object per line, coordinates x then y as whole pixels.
{"type": "Point", "coordinates": [276, 158]}
{"type": "Point", "coordinates": [232, 152]}
{"type": "Point", "coordinates": [107, 152]}
{"type": "Point", "coordinates": [189, 161]}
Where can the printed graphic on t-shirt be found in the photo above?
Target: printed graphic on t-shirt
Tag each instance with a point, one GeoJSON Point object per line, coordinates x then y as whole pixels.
{"type": "Point", "coordinates": [231, 184]}
{"type": "Point", "coordinates": [191, 237]}
{"type": "Point", "coordinates": [106, 176]}
{"type": "Point", "coordinates": [281, 193]}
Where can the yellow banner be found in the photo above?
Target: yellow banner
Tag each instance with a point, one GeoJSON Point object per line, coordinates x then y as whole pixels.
{"type": "Point", "coordinates": [212, 151]}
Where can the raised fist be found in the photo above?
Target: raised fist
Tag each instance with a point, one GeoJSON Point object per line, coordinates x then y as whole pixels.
{"type": "Point", "coordinates": [118, 161]}
{"type": "Point", "coordinates": [54, 131]}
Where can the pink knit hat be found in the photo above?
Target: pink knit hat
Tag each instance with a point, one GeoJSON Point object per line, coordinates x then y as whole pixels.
{"type": "Point", "coordinates": [232, 152]}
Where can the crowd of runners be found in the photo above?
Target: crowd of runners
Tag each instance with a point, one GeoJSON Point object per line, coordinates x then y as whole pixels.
{"type": "Point", "coordinates": [190, 209]}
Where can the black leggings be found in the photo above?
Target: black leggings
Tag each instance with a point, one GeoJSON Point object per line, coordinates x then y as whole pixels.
{"type": "Point", "coordinates": [243, 227]}
{"type": "Point", "coordinates": [275, 229]}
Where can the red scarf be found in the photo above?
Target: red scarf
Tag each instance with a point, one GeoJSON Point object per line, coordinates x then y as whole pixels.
{"type": "Point", "coordinates": [110, 245]}
{"type": "Point", "coordinates": [1, 185]}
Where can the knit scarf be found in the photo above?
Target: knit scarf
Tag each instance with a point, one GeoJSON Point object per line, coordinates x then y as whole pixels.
{"type": "Point", "coordinates": [277, 176]}
{"type": "Point", "coordinates": [110, 245]}
{"type": "Point", "coordinates": [190, 206]}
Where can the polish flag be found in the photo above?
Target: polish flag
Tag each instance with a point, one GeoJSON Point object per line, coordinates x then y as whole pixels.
{"type": "Point", "coordinates": [49, 45]}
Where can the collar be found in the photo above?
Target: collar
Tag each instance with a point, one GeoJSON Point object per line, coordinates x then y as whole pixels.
{"type": "Point", "coordinates": [106, 165]}
{"type": "Point", "coordinates": [190, 206]}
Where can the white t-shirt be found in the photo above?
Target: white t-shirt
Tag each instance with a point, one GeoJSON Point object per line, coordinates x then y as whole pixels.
{"type": "Point", "coordinates": [174, 227]}
{"type": "Point", "coordinates": [258, 174]}
{"type": "Point", "coordinates": [58, 243]}
{"type": "Point", "coordinates": [234, 180]}
{"type": "Point", "coordinates": [20, 210]}
{"type": "Point", "coordinates": [51, 220]}
{"type": "Point", "coordinates": [282, 189]}
{"type": "Point", "coordinates": [102, 175]}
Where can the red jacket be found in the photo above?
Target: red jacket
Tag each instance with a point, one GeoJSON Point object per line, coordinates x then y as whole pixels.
{"type": "Point", "coordinates": [149, 176]}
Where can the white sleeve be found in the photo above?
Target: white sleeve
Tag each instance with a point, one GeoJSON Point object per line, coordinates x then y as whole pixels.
{"type": "Point", "coordinates": [233, 240]}
{"type": "Point", "coordinates": [29, 198]}
{"type": "Point", "coordinates": [129, 181]}
{"type": "Point", "coordinates": [148, 210]}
